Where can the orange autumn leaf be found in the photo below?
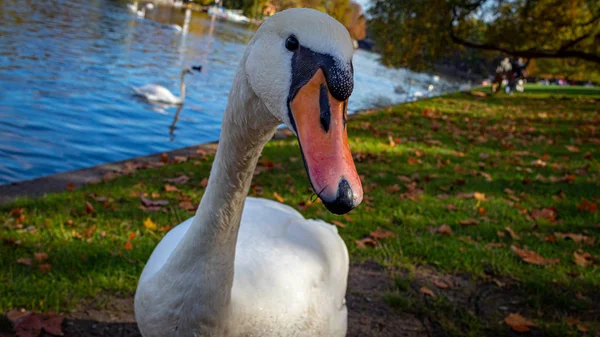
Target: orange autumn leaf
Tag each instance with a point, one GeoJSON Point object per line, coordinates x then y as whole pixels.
{"type": "Point", "coordinates": [40, 257]}
{"type": "Point", "coordinates": [204, 182]}
{"type": "Point", "coordinates": [131, 237]}
{"type": "Point", "coordinates": [479, 196]}
{"type": "Point", "coordinates": [532, 257]}
{"type": "Point", "coordinates": [89, 209]}
{"type": "Point", "coordinates": [171, 188]}
{"type": "Point", "coordinates": [572, 148]}
{"type": "Point", "coordinates": [379, 234]}
{"type": "Point", "coordinates": [427, 291]}
{"type": "Point", "coordinates": [587, 206]}
{"type": "Point", "coordinates": [70, 186]}
{"type": "Point", "coordinates": [482, 211]}
{"type": "Point", "coordinates": [278, 197]}
{"type": "Point", "coordinates": [518, 323]}
{"type": "Point", "coordinates": [45, 268]}
{"type": "Point", "coordinates": [128, 245]}
{"type": "Point", "coordinates": [582, 258]}
{"type": "Point", "coordinates": [362, 243]}
{"type": "Point", "coordinates": [89, 232]}
{"type": "Point", "coordinates": [512, 233]}
{"type": "Point", "coordinates": [339, 224]}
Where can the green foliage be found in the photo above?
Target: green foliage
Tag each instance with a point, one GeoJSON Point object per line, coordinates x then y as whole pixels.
{"type": "Point", "coordinates": [421, 33]}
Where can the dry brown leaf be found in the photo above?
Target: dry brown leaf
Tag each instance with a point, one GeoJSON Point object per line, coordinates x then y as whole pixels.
{"type": "Point", "coordinates": [171, 188]}
{"type": "Point", "coordinates": [339, 224]}
{"type": "Point", "coordinates": [550, 238]}
{"type": "Point", "coordinates": [278, 197]}
{"type": "Point", "coordinates": [40, 257]}
{"type": "Point", "coordinates": [512, 233]}
{"type": "Point", "coordinates": [180, 180]}
{"type": "Point", "coordinates": [29, 325]}
{"type": "Point", "coordinates": [518, 323]}
{"type": "Point", "coordinates": [479, 196]}
{"type": "Point", "coordinates": [89, 209]}
{"type": "Point", "coordinates": [89, 232]}
{"type": "Point", "coordinates": [25, 260]}
{"type": "Point", "coordinates": [582, 258]}
{"type": "Point", "coordinates": [379, 234]}
{"type": "Point", "coordinates": [571, 320]}
{"type": "Point", "coordinates": [427, 291]}
{"type": "Point", "coordinates": [533, 257]}
{"type": "Point", "coordinates": [583, 328]}
{"type": "Point", "coordinates": [52, 324]}
{"type": "Point", "coordinates": [153, 203]}
{"type": "Point", "coordinates": [440, 284]}
{"type": "Point", "coordinates": [548, 214]}
{"type": "Point", "coordinates": [70, 186]}
{"type": "Point", "coordinates": [45, 268]}
{"type": "Point", "coordinates": [362, 243]}
{"type": "Point", "coordinates": [572, 148]}
{"type": "Point", "coordinates": [577, 238]}
{"type": "Point", "coordinates": [164, 158]}
{"type": "Point", "coordinates": [469, 222]}
{"type": "Point", "coordinates": [444, 230]}
{"type": "Point", "coordinates": [587, 206]}
{"type": "Point", "coordinates": [204, 182]}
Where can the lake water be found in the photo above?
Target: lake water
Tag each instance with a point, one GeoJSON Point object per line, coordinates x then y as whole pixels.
{"type": "Point", "coordinates": [67, 67]}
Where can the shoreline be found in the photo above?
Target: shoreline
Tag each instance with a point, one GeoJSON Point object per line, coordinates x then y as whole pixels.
{"type": "Point", "coordinates": [75, 179]}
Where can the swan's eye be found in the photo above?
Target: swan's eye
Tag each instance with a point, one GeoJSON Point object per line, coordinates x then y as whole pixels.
{"type": "Point", "coordinates": [292, 43]}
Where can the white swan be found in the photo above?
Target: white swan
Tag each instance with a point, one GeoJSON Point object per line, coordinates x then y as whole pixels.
{"type": "Point", "coordinates": [158, 93]}
{"type": "Point", "coordinates": [253, 267]}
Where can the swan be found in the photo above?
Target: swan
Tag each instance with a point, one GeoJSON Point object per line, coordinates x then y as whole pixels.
{"type": "Point", "coordinates": [246, 266]}
{"type": "Point", "coordinates": [133, 7]}
{"type": "Point", "coordinates": [158, 93]}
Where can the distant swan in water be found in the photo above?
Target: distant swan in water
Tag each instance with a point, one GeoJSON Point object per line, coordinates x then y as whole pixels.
{"type": "Point", "coordinates": [160, 94]}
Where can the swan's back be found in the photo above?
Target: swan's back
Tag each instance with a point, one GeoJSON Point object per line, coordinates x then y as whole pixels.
{"type": "Point", "coordinates": [290, 273]}
{"type": "Point", "coordinates": [157, 93]}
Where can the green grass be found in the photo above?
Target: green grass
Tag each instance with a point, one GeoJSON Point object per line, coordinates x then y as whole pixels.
{"type": "Point", "coordinates": [442, 145]}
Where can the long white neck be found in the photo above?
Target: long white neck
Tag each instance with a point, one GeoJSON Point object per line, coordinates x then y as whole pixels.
{"type": "Point", "coordinates": [182, 88]}
{"type": "Point", "coordinates": [204, 260]}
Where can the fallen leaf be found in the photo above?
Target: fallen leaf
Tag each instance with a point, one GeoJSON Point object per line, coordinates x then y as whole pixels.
{"type": "Point", "coordinates": [128, 245]}
{"type": "Point", "coordinates": [24, 260]}
{"type": "Point", "coordinates": [469, 222]}
{"type": "Point", "coordinates": [571, 320]}
{"type": "Point", "coordinates": [148, 223]}
{"type": "Point", "coordinates": [362, 243]}
{"type": "Point", "coordinates": [444, 230]}
{"type": "Point", "coordinates": [164, 158]}
{"type": "Point", "coordinates": [89, 209]}
{"type": "Point", "coordinates": [339, 224]}
{"type": "Point", "coordinates": [278, 197]}
{"type": "Point", "coordinates": [29, 325]}
{"type": "Point", "coordinates": [180, 180]}
{"type": "Point", "coordinates": [548, 214]}
{"type": "Point", "coordinates": [40, 257]}
{"type": "Point", "coordinates": [582, 258]}
{"type": "Point", "coordinates": [451, 208]}
{"type": "Point", "coordinates": [379, 234]}
{"type": "Point", "coordinates": [150, 203]}
{"type": "Point", "coordinates": [577, 238]}
{"type": "Point", "coordinates": [204, 183]}
{"type": "Point", "coordinates": [131, 236]}
{"type": "Point", "coordinates": [70, 186]}
{"type": "Point", "coordinates": [440, 284]}
{"type": "Point", "coordinates": [482, 210]}
{"type": "Point", "coordinates": [518, 323]}
{"type": "Point", "coordinates": [45, 268]}
{"type": "Point", "coordinates": [572, 148]}
{"type": "Point", "coordinates": [583, 328]}
{"type": "Point", "coordinates": [495, 245]}
{"type": "Point", "coordinates": [52, 324]}
{"type": "Point", "coordinates": [550, 238]}
{"type": "Point", "coordinates": [587, 206]}
{"type": "Point", "coordinates": [533, 257]}
{"type": "Point", "coordinates": [479, 196]}
{"type": "Point", "coordinates": [171, 188]}
{"type": "Point", "coordinates": [427, 291]}
{"type": "Point", "coordinates": [89, 232]}
{"type": "Point", "coordinates": [512, 233]}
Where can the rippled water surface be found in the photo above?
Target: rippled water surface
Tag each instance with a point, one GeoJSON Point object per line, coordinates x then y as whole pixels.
{"type": "Point", "coordinates": [67, 67]}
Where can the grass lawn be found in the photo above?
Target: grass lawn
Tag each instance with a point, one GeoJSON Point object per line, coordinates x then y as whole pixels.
{"type": "Point", "coordinates": [500, 192]}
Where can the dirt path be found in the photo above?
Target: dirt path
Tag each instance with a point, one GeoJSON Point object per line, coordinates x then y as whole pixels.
{"type": "Point", "coordinates": [452, 300]}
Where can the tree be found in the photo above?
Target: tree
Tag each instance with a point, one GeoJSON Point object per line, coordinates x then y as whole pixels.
{"type": "Point", "coordinates": [419, 33]}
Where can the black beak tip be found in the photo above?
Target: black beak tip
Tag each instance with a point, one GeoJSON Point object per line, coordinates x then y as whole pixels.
{"type": "Point", "coordinates": [197, 68]}
{"type": "Point", "coordinates": [344, 201]}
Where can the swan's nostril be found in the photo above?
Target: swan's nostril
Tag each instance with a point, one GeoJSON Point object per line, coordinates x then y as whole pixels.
{"type": "Point", "coordinates": [344, 201]}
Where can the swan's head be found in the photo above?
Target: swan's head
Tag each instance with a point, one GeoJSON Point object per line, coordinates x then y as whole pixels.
{"type": "Point", "coordinates": [300, 65]}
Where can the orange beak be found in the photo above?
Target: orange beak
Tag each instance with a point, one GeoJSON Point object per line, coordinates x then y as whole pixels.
{"type": "Point", "coordinates": [320, 122]}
